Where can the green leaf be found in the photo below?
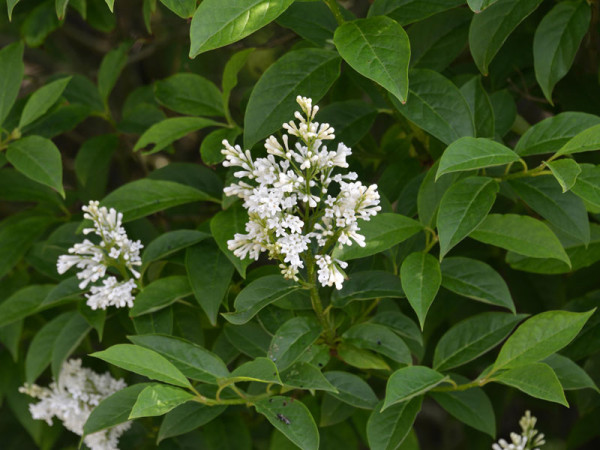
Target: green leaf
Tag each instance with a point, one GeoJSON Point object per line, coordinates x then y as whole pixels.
{"type": "Point", "coordinates": [258, 294]}
{"type": "Point", "coordinates": [381, 233]}
{"type": "Point", "coordinates": [165, 132]}
{"type": "Point", "coordinates": [114, 409]}
{"type": "Point", "coordinates": [261, 369]}
{"type": "Point", "coordinates": [475, 279]}
{"type": "Point", "coordinates": [293, 419]}
{"type": "Point", "coordinates": [313, 21]}
{"type": "Point", "coordinates": [65, 291]}
{"type": "Point", "coordinates": [565, 171]}
{"type": "Point", "coordinates": [302, 375]}
{"type": "Point", "coordinates": [159, 294]}
{"type": "Point", "coordinates": [570, 375]}
{"type": "Point", "coordinates": [158, 399]}
{"type": "Point", "coordinates": [209, 274]}
{"type": "Point", "coordinates": [309, 71]}
{"type": "Point", "coordinates": [521, 234]}
{"type": "Point", "coordinates": [211, 145]}
{"type": "Point", "coordinates": [250, 338]}
{"type": "Point", "coordinates": [556, 41]}
{"type": "Point", "coordinates": [563, 210]}
{"type": "Point", "coordinates": [472, 407]}
{"type": "Point", "coordinates": [436, 41]}
{"type": "Point", "coordinates": [144, 362]}
{"type": "Point", "coordinates": [377, 48]}
{"type": "Point", "coordinates": [111, 67]}
{"type": "Point", "coordinates": [23, 303]}
{"type": "Point", "coordinates": [158, 322]}
{"type": "Point", "coordinates": [479, 5]}
{"type": "Point", "coordinates": [380, 339]}
{"type": "Point", "coordinates": [436, 105]}
{"type": "Point", "coordinates": [539, 337]}
{"type": "Point", "coordinates": [480, 106]}
{"type": "Point", "coordinates": [430, 195]}
{"type": "Point", "coordinates": [186, 418]}
{"type": "Point", "coordinates": [193, 361]}
{"type": "Point", "coordinates": [585, 141]}
{"type": "Point", "coordinates": [352, 389]}
{"type": "Point", "coordinates": [39, 354]}
{"type": "Point", "coordinates": [61, 8]}
{"type": "Point", "coordinates": [12, 69]}
{"type": "Point", "coordinates": [362, 359]}
{"type": "Point", "coordinates": [171, 242]}
{"type": "Point", "coordinates": [183, 8]}
{"type": "Point", "coordinates": [388, 429]}
{"type": "Point", "coordinates": [473, 337]}
{"type": "Point", "coordinates": [16, 187]}
{"type": "Point", "coordinates": [110, 4]}
{"type": "Point", "coordinates": [292, 339]}
{"type": "Point", "coordinates": [421, 278]}
{"type": "Point", "coordinates": [470, 153]}
{"type": "Point", "coordinates": [408, 11]}
{"type": "Point", "coordinates": [41, 101]}
{"type": "Point", "coordinates": [231, 71]}
{"type": "Point", "coordinates": [410, 382]}
{"type": "Point", "coordinates": [217, 23]}
{"type": "Point", "coordinates": [17, 234]}
{"type": "Point", "coordinates": [403, 326]}
{"type": "Point", "coordinates": [367, 285]}
{"type": "Point", "coordinates": [490, 28]}
{"type": "Point", "coordinates": [39, 159]}
{"type": "Point", "coordinates": [191, 94]}
{"type": "Point", "coordinates": [92, 164]}
{"type": "Point", "coordinates": [462, 208]}
{"type": "Point", "coordinates": [537, 380]}
{"type": "Point", "coordinates": [143, 197]}
{"type": "Point", "coordinates": [351, 119]}
{"type": "Point", "coordinates": [334, 411]}
{"type": "Point", "coordinates": [67, 341]}
{"type": "Point", "coordinates": [552, 133]}
{"type": "Point", "coordinates": [223, 226]}
{"type": "Point", "coordinates": [587, 185]}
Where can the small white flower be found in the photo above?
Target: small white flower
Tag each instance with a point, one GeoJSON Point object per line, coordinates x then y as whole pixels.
{"type": "Point", "coordinates": [288, 201]}
{"type": "Point", "coordinates": [529, 439]}
{"type": "Point", "coordinates": [72, 398]}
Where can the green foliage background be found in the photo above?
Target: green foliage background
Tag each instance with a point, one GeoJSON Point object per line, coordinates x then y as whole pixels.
{"type": "Point", "coordinates": [478, 120]}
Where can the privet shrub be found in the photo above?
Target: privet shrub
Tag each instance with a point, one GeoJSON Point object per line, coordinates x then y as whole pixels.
{"type": "Point", "coordinates": [193, 255]}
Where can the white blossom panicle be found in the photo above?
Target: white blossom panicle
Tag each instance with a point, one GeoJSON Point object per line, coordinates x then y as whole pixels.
{"type": "Point", "coordinates": [295, 200]}
{"type": "Point", "coordinates": [114, 250]}
{"type": "Point", "coordinates": [72, 398]}
{"type": "Point", "coordinates": [529, 439]}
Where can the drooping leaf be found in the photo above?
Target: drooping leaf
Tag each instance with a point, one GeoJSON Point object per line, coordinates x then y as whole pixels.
{"type": "Point", "coordinates": [537, 380]}
{"type": "Point", "coordinates": [41, 101]}
{"type": "Point", "coordinates": [144, 362]}
{"type": "Point", "coordinates": [352, 389]}
{"type": "Point", "coordinates": [491, 27]}
{"type": "Point", "coordinates": [475, 279]}
{"type": "Point", "coordinates": [67, 341]}
{"type": "Point", "coordinates": [111, 67]}
{"type": "Point", "coordinates": [481, 107]}
{"type": "Point", "coordinates": [435, 104]}
{"type": "Point", "coordinates": [462, 208]}
{"type": "Point", "coordinates": [421, 279]}
{"type": "Point", "coordinates": [377, 48]}
{"type": "Point", "coordinates": [585, 141]}
{"type": "Point", "coordinates": [521, 234]}
{"type": "Point", "coordinates": [410, 382]}
{"type": "Point", "coordinates": [158, 399]}
{"type": "Point", "coordinates": [470, 153]}
{"type": "Point", "coordinates": [381, 232]}
{"type": "Point", "coordinates": [293, 419]}
{"type": "Point", "coordinates": [386, 430]}
{"type": "Point", "coordinates": [39, 159]}
{"type": "Point", "coordinates": [143, 197]}
{"type": "Point", "coordinates": [556, 41]}
{"type": "Point", "coordinates": [191, 94]}
{"type": "Point", "coordinates": [23, 303]}
{"type": "Point", "coordinates": [539, 337]}
{"type": "Point", "coordinates": [250, 339]}
{"type": "Point", "coordinates": [257, 295]}
{"type": "Point", "coordinates": [570, 375]}
{"type": "Point", "coordinates": [587, 185]}
{"type": "Point", "coordinates": [566, 171]}
{"type": "Point", "coordinates": [183, 8]}
{"type": "Point", "coordinates": [310, 71]}
{"type": "Point", "coordinates": [159, 294]}
{"type": "Point", "coordinates": [92, 164]}
{"type": "Point", "coordinates": [192, 360]}
{"type": "Point", "coordinates": [12, 69]}
{"type": "Point", "coordinates": [472, 338]}
{"type": "Point", "coordinates": [209, 274]}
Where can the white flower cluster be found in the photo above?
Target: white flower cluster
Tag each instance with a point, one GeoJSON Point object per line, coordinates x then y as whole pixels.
{"type": "Point", "coordinates": [289, 198]}
{"type": "Point", "coordinates": [72, 398]}
{"type": "Point", "coordinates": [115, 249]}
{"type": "Point", "coordinates": [529, 439]}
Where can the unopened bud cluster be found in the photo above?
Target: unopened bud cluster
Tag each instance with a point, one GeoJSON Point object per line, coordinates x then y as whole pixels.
{"type": "Point", "coordinates": [72, 398]}
{"type": "Point", "coordinates": [295, 200]}
{"type": "Point", "coordinates": [93, 260]}
{"type": "Point", "coordinates": [529, 439]}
